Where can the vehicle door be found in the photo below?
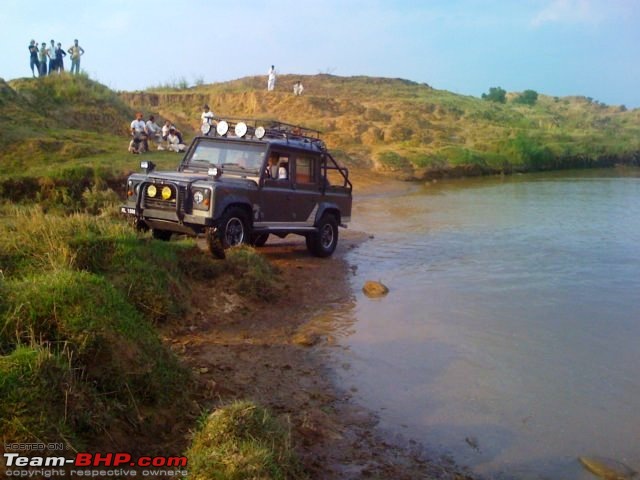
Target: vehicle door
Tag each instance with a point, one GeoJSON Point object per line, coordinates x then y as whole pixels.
{"type": "Point", "coordinates": [276, 196]}
{"type": "Point", "coordinates": [305, 173]}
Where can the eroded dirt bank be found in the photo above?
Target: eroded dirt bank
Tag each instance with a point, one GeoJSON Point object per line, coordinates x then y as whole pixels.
{"type": "Point", "coordinates": [272, 352]}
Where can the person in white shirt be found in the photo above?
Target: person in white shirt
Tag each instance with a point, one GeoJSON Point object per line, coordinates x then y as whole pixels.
{"type": "Point", "coordinates": [165, 129]}
{"type": "Point", "coordinates": [152, 129]}
{"type": "Point", "coordinates": [175, 141]}
{"type": "Point", "coordinates": [207, 115]}
{"type": "Point", "coordinates": [271, 82]}
{"type": "Point", "coordinates": [139, 134]}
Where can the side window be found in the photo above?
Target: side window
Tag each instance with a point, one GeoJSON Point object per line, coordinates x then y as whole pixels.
{"type": "Point", "coordinates": [278, 166]}
{"type": "Point", "coordinates": [306, 169]}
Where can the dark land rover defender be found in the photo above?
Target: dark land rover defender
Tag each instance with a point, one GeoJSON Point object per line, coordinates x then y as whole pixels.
{"type": "Point", "coordinates": [241, 181]}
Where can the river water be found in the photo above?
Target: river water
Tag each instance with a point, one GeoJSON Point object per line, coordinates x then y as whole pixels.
{"type": "Point", "coordinates": [510, 339]}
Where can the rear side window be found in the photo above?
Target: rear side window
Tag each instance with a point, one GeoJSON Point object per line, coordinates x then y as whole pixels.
{"type": "Point", "coordinates": [306, 169]}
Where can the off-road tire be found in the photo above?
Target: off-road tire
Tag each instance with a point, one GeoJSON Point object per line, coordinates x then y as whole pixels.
{"type": "Point", "coordinates": [233, 229]}
{"type": "Point", "coordinates": [259, 239]}
{"type": "Point", "coordinates": [164, 235]}
{"type": "Point", "coordinates": [323, 242]}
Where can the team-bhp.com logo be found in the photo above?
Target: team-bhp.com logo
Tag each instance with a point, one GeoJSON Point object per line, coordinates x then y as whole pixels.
{"type": "Point", "coordinates": [94, 465]}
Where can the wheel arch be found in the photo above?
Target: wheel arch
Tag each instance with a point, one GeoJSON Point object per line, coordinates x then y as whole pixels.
{"type": "Point", "coordinates": [328, 208]}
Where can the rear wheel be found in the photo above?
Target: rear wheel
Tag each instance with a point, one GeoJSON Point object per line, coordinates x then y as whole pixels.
{"type": "Point", "coordinates": [323, 242]}
{"type": "Point", "coordinates": [232, 230]}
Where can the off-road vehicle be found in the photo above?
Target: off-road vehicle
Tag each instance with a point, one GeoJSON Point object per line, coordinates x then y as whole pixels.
{"type": "Point", "coordinates": [240, 182]}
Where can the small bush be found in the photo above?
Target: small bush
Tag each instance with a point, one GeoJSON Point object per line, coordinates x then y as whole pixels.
{"type": "Point", "coordinates": [242, 441]}
{"type": "Point", "coordinates": [496, 94]}
{"type": "Point", "coordinates": [256, 277]}
{"type": "Point", "coordinates": [393, 161]}
{"type": "Point", "coordinates": [528, 97]}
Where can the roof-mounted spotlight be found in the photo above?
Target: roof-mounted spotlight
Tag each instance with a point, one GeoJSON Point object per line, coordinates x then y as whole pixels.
{"type": "Point", "coordinates": [222, 128]}
{"type": "Point", "coordinates": [205, 128]}
{"type": "Point", "coordinates": [260, 132]}
{"type": "Point", "coordinates": [240, 129]}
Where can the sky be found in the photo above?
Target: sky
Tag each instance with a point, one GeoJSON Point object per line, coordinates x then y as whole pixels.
{"type": "Point", "coordinates": [556, 47]}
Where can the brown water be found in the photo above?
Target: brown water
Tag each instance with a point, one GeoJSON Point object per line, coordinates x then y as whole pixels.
{"type": "Point", "coordinates": [510, 338]}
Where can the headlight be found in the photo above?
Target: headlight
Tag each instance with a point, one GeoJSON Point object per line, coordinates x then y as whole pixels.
{"type": "Point", "coordinates": [166, 193]}
{"type": "Point", "coordinates": [202, 199]}
{"type": "Point", "coordinates": [152, 191]}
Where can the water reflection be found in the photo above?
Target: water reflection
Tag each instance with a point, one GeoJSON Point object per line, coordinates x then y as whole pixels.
{"type": "Point", "coordinates": [509, 339]}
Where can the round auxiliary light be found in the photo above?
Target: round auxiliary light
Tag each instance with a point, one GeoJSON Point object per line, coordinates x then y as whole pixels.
{"type": "Point", "coordinates": [198, 197]}
{"type": "Point", "coordinates": [166, 193]}
{"type": "Point", "coordinates": [241, 129]}
{"type": "Point", "coordinates": [152, 191]}
{"type": "Point", "coordinates": [260, 131]}
{"type": "Point", "coordinates": [222, 128]}
{"type": "Point", "coordinates": [205, 128]}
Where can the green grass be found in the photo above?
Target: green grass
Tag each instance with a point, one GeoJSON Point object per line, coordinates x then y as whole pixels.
{"type": "Point", "coordinates": [255, 276]}
{"type": "Point", "coordinates": [242, 441]}
{"type": "Point", "coordinates": [80, 296]}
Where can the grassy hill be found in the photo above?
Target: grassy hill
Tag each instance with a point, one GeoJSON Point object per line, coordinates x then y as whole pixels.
{"type": "Point", "coordinates": [395, 126]}
{"type": "Point", "coordinates": [416, 131]}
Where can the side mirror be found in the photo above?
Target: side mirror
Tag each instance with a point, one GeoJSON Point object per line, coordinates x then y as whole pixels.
{"type": "Point", "coordinates": [147, 166]}
{"type": "Point", "coordinates": [215, 172]}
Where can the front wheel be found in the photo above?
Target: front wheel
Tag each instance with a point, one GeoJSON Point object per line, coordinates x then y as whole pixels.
{"type": "Point", "coordinates": [232, 230]}
{"type": "Point", "coordinates": [323, 242]}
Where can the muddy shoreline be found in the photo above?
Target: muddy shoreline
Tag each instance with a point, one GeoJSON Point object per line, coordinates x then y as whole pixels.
{"type": "Point", "coordinates": [274, 352]}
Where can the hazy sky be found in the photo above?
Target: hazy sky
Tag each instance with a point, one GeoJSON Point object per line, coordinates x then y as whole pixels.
{"type": "Point", "coordinates": [556, 47]}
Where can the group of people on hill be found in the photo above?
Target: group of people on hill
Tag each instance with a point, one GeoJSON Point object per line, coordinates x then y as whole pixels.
{"type": "Point", "coordinates": [271, 82]}
{"type": "Point", "coordinates": [167, 137]}
{"type": "Point", "coordinates": [52, 56]}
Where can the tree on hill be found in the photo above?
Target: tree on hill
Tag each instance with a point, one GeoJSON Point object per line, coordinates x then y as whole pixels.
{"type": "Point", "coordinates": [528, 97]}
{"type": "Point", "coordinates": [496, 94]}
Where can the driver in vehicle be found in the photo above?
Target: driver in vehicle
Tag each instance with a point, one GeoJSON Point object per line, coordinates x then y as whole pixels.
{"type": "Point", "coordinates": [277, 169]}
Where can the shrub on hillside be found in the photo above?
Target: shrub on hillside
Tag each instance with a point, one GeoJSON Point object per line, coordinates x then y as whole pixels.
{"type": "Point", "coordinates": [496, 94]}
{"type": "Point", "coordinates": [392, 161]}
{"type": "Point", "coordinates": [528, 97]}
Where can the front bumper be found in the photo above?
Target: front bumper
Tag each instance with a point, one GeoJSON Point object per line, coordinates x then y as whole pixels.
{"type": "Point", "coordinates": [167, 220]}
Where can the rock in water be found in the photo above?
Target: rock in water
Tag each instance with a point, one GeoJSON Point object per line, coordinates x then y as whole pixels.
{"type": "Point", "coordinates": [607, 468]}
{"type": "Point", "coordinates": [374, 289]}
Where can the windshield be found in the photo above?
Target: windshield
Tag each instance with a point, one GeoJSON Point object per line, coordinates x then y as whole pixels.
{"type": "Point", "coordinates": [243, 156]}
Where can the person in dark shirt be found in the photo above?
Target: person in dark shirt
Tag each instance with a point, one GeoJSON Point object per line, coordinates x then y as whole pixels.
{"type": "Point", "coordinates": [60, 54]}
{"type": "Point", "coordinates": [33, 62]}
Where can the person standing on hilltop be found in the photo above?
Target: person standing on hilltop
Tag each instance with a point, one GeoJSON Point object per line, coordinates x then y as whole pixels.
{"type": "Point", "coordinates": [60, 54]}
{"type": "Point", "coordinates": [33, 58]}
{"type": "Point", "coordinates": [271, 82]}
{"type": "Point", "coordinates": [43, 60]}
{"type": "Point", "coordinates": [76, 51]}
{"type": "Point", "coordinates": [51, 53]}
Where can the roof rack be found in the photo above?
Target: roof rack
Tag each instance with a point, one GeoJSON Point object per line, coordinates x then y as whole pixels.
{"type": "Point", "coordinates": [271, 129]}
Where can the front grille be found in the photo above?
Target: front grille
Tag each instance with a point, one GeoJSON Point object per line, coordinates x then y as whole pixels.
{"type": "Point", "coordinates": [159, 203]}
